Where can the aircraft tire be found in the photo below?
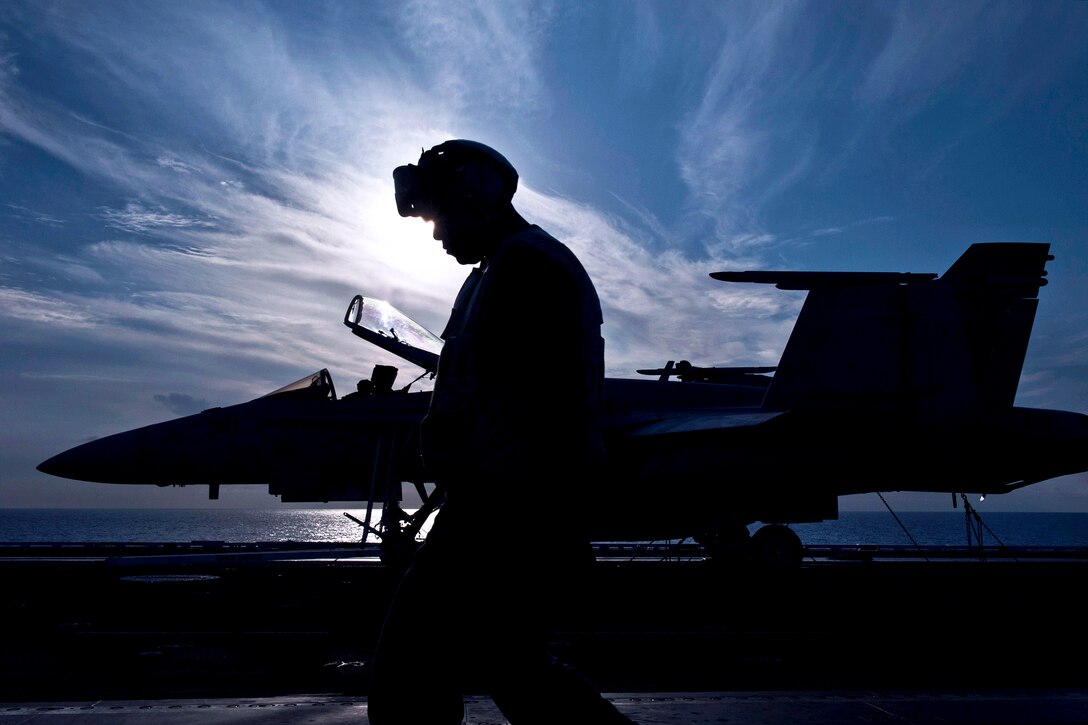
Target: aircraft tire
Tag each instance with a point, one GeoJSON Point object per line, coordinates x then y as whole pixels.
{"type": "Point", "coordinates": [776, 548]}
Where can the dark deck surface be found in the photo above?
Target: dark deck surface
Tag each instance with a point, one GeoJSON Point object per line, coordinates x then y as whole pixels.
{"type": "Point", "coordinates": [687, 708]}
{"type": "Point", "coordinates": [208, 634]}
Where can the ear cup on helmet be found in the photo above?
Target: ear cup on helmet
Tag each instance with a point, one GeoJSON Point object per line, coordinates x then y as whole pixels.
{"type": "Point", "coordinates": [479, 182]}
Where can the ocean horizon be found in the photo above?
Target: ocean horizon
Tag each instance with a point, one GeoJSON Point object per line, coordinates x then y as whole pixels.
{"type": "Point", "coordinates": [137, 525]}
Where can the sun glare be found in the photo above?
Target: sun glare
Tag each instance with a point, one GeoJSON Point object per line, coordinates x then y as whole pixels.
{"type": "Point", "coordinates": [406, 246]}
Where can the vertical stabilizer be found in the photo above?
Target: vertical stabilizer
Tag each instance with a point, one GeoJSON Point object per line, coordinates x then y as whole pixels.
{"type": "Point", "coordinates": [914, 344]}
{"type": "Point", "coordinates": [997, 289]}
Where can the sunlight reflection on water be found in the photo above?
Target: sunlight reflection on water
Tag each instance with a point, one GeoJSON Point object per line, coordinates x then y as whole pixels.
{"type": "Point", "coordinates": [332, 526]}
{"type": "Point", "coordinates": [184, 525]}
{"type": "Point", "coordinates": [325, 525]}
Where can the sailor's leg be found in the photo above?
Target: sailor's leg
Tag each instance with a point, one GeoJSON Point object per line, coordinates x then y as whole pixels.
{"type": "Point", "coordinates": [529, 684]}
{"type": "Point", "coordinates": [412, 679]}
{"type": "Point", "coordinates": [553, 692]}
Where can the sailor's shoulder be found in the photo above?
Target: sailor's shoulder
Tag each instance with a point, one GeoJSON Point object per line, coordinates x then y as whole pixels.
{"type": "Point", "coordinates": [533, 245]}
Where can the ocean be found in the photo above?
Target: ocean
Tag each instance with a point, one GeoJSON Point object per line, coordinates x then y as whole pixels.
{"type": "Point", "coordinates": [941, 528]}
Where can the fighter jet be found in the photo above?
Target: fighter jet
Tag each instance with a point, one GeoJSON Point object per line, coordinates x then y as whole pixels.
{"type": "Point", "coordinates": [888, 382]}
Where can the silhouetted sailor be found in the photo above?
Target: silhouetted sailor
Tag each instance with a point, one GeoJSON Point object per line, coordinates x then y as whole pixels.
{"type": "Point", "coordinates": [512, 438]}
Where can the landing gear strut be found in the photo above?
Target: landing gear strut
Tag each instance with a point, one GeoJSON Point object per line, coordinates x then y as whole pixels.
{"type": "Point", "coordinates": [397, 530]}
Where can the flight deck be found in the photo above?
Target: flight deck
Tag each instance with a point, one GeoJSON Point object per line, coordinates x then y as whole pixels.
{"type": "Point", "coordinates": [216, 630]}
{"type": "Point", "coordinates": [679, 708]}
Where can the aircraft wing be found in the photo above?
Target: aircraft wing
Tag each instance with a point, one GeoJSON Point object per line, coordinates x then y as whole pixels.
{"type": "Point", "coordinates": [702, 422]}
{"type": "Point", "coordinates": [382, 324]}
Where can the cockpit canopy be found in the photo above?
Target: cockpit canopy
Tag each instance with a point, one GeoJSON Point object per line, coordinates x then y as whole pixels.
{"type": "Point", "coordinates": [382, 324]}
{"type": "Point", "coordinates": [316, 386]}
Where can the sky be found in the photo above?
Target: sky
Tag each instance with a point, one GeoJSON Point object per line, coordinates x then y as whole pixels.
{"type": "Point", "coordinates": [191, 193]}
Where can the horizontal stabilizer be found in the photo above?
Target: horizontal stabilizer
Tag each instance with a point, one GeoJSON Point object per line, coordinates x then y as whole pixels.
{"type": "Point", "coordinates": [817, 280]}
{"type": "Point", "coordinates": [689, 373]}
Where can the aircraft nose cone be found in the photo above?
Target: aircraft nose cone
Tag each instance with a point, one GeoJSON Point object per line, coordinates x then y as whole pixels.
{"type": "Point", "coordinates": [103, 460]}
{"type": "Point", "coordinates": [82, 463]}
{"type": "Point", "coordinates": [54, 466]}
{"type": "Point", "coordinates": [178, 452]}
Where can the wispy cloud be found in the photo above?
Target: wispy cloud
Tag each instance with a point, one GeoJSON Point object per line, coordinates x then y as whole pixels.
{"type": "Point", "coordinates": [664, 305]}
{"type": "Point", "coordinates": [45, 310]}
{"type": "Point", "coordinates": [737, 148]}
{"type": "Point", "coordinates": [181, 404]}
{"type": "Point", "coordinates": [478, 54]}
{"type": "Point", "coordinates": [925, 45]}
{"type": "Point", "coordinates": [138, 219]}
{"type": "Point", "coordinates": [791, 102]}
{"type": "Point", "coordinates": [833, 231]}
{"type": "Point", "coordinates": [25, 214]}
{"type": "Point", "coordinates": [172, 162]}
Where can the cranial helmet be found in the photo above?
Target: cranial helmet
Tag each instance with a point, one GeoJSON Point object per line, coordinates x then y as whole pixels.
{"type": "Point", "coordinates": [455, 172]}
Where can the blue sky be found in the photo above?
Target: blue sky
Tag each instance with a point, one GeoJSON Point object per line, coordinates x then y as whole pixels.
{"type": "Point", "coordinates": [191, 193]}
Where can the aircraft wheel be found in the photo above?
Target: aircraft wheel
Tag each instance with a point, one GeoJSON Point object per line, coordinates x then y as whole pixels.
{"type": "Point", "coordinates": [776, 548]}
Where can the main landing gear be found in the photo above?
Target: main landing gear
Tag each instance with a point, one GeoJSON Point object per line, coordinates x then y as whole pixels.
{"type": "Point", "coordinates": [773, 547]}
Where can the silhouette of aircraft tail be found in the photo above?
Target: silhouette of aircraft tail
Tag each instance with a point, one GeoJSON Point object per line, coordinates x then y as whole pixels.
{"type": "Point", "coordinates": [914, 344]}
